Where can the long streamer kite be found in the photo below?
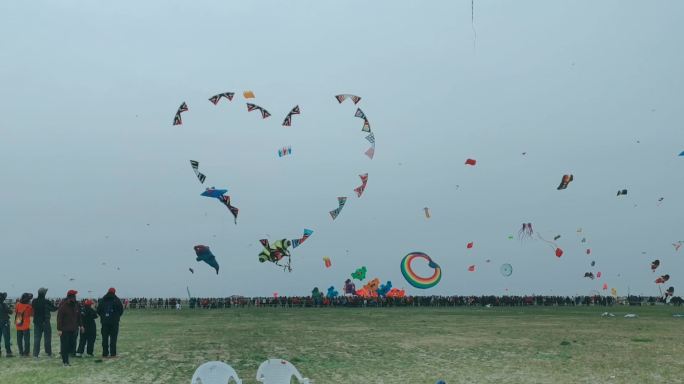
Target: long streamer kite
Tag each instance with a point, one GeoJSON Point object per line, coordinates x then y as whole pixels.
{"type": "Point", "coordinates": [364, 180]}
{"type": "Point", "coordinates": [216, 98]}
{"type": "Point", "coordinates": [177, 120]}
{"type": "Point", "coordinates": [343, 97]}
{"type": "Point", "coordinates": [252, 107]}
{"type": "Point", "coordinates": [195, 167]}
{"type": "Point", "coordinates": [366, 124]}
{"type": "Point", "coordinates": [297, 242]}
{"type": "Point", "coordinates": [288, 119]}
{"type": "Point", "coordinates": [371, 151]}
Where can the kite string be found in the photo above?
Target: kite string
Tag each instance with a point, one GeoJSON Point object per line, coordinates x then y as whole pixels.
{"type": "Point", "coordinates": [472, 21]}
{"type": "Point", "coordinates": [551, 243]}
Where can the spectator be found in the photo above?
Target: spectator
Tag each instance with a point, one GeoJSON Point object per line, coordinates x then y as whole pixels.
{"type": "Point", "coordinates": [89, 333]}
{"type": "Point", "coordinates": [68, 323]}
{"type": "Point", "coordinates": [41, 322]}
{"type": "Point", "coordinates": [5, 312]}
{"type": "Point", "coordinates": [22, 321]}
{"type": "Point", "coordinates": [110, 310]}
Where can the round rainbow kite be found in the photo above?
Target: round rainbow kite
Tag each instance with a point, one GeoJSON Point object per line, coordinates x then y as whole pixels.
{"type": "Point", "coordinates": [413, 278]}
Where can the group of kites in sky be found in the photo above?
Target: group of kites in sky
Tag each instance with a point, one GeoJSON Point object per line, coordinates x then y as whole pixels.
{"type": "Point", "coordinates": [277, 252]}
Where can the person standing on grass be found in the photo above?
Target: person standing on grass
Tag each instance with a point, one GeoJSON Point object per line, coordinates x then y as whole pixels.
{"type": "Point", "coordinates": [41, 322]}
{"type": "Point", "coordinates": [22, 321]}
{"type": "Point", "coordinates": [89, 334]}
{"type": "Point", "coordinates": [68, 323]}
{"type": "Point", "coordinates": [110, 310]}
{"type": "Point", "coordinates": [5, 312]}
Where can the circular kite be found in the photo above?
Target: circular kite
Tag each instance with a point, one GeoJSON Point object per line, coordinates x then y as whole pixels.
{"type": "Point", "coordinates": [413, 278]}
{"type": "Point", "coordinates": [506, 269]}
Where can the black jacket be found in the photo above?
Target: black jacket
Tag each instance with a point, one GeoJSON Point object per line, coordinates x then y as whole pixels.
{"type": "Point", "coordinates": [5, 310]}
{"type": "Point", "coordinates": [88, 316]}
{"type": "Point", "coordinates": [41, 309]}
{"type": "Point", "coordinates": [110, 309]}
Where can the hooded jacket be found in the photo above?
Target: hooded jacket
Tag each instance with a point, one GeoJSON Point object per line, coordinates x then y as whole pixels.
{"type": "Point", "coordinates": [23, 313]}
{"type": "Point", "coordinates": [68, 315]}
{"type": "Point", "coordinates": [42, 307]}
{"type": "Point", "coordinates": [110, 309]}
{"type": "Point", "coordinates": [5, 310]}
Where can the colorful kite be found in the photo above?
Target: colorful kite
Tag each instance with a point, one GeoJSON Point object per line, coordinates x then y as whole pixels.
{"type": "Point", "coordinates": [654, 265]}
{"type": "Point", "coordinates": [366, 124]}
{"type": "Point", "coordinates": [204, 254]}
{"type": "Point", "coordinates": [470, 245]}
{"type": "Point", "coordinates": [297, 242]}
{"type": "Point", "coordinates": [662, 279]}
{"type": "Point", "coordinates": [288, 119]}
{"type": "Point", "coordinates": [341, 201]}
{"type": "Point", "coordinates": [622, 192]}
{"type": "Point", "coordinates": [216, 98]}
{"type": "Point", "coordinates": [669, 292]}
{"type": "Point", "coordinates": [605, 286]}
{"type": "Point", "coordinates": [364, 180]}
{"type": "Point", "coordinates": [598, 274]}
{"type": "Point", "coordinates": [195, 167]}
{"type": "Point", "coordinates": [253, 107]}
{"type": "Point", "coordinates": [349, 287]}
{"type": "Point", "coordinates": [396, 293]}
{"type": "Point", "coordinates": [276, 253]}
{"type": "Point", "coordinates": [370, 289]}
{"type": "Point", "coordinates": [359, 274]}
{"type": "Point", "coordinates": [613, 292]}
{"type": "Point", "coordinates": [413, 278]}
{"type": "Point", "coordinates": [332, 293]}
{"type": "Point", "coordinates": [471, 162]}
{"type": "Point", "coordinates": [177, 120]}
{"type": "Point", "coordinates": [506, 269]}
{"type": "Point", "coordinates": [384, 289]}
{"type": "Point", "coordinates": [248, 94]}
{"type": "Point", "coordinates": [213, 192]}
{"type": "Point", "coordinates": [225, 199]}
{"type": "Point", "coordinates": [343, 97]}
{"type": "Point", "coordinates": [327, 262]}
{"type": "Point", "coordinates": [284, 151]}
{"type": "Point", "coordinates": [565, 181]}
{"type": "Point", "coordinates": [471, 268]}
{"type": "Point", "coordinates": [554, 246]}
{"type": "Point", "coordinates": [371, 151]}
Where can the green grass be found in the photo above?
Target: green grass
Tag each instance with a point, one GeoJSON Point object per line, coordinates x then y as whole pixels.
{"type": "Point", "coordinates": [394, 345]}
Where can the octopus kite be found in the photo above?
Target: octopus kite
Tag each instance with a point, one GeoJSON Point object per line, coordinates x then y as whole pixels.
{"type": "Point", "coordinates": [526, 231]}
{"type": "Point", "coordinates": [276, 253]}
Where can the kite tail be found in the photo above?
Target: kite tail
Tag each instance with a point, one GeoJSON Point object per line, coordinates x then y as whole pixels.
{"type": "Point", "coordinates": [551, 243]}
{"type": "Point", "coordinates": [472, 21]}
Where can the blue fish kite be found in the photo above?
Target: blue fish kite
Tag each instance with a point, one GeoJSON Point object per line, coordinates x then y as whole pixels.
{"type": "Point", "coordinates": [215, 193]}
{"type": "Point", "coordinates": [204, 254]}
{"type": "Point", "coordinates": [681, 154]}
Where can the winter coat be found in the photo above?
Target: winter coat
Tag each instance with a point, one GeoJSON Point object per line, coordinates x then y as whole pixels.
{"type": "Point", "coordinates": [42, 308]}
{"type": "Point", "coordinates": [110, 309]}
{"type": "Point", "coordinates": [68, 316]}
{"type": "Point", "coordinates": [5, 310]}
{"type": "Point", "coordinates": [88, 316]}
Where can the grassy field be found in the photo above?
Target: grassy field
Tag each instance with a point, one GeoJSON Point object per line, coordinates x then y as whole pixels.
{"type": "Point", "coordinates": [400, 345]}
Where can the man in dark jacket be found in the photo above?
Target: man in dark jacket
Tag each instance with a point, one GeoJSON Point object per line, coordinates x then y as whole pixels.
{"type": "Point", "coordinates": [41, 322]}
{"type": "Point", "coordinates": [68, 323]}
{"type": "Point", "coordinates": [88, 316]}
{"type": "Point", "coordinates": [110, 310]}
{"type": "Point", "coordinates": [5, 312]}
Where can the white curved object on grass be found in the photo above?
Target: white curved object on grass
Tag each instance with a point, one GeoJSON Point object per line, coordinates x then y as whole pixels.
{"type": "Point", "coordinates": [279, 371]}
{"type": "Point", "coordinates": [215, 372]}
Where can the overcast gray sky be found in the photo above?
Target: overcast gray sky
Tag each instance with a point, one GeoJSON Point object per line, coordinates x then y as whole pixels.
{"type": "Point", "coordinates": [95, 173]}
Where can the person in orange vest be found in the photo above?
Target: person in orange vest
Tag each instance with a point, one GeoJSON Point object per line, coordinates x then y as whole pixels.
{"type": "Point", "coordinates": [22, 321]}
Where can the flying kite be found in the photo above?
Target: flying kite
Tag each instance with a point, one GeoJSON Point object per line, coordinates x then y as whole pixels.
{"type": "Point", "coordinates": [341, 201]}
{"type": "Point", "coordinates": [526, 231]}
{"type": "Point", "coordinates": [413, 278]}
{"type": "Point", "coordinates": [622, 192]}
{"type": "Point", "coordinates": [252, 107]}
{"type": "Point", "coordinates": [216, 98]}
{"type": "Point", "coordinates": [284, 151]}
{"type": "Point", "coordinates": [471, 162]}
{"type": "Point", "coordinates": [195, 167]}
{"type": "Point", "coordinates": [396, 293]}
{"type": "Point", "coordinates": [556, 237]}
{"type": "Point", "coordinates": [213, 192]}
{"type": "Point", "coordinates": [598, 274]}
{"type": "Point", "coordinates": [204, 254]}
{"type": "Point", "coordinates": [192, 271]}
{"type": "Point", "coordinates": [470, 245]}
{"type": "Point", "coordinates": [371, 151]}
{"type": "Point", "coordinates": [588, 251]}
{"type": "Point", "coordinates": [605, 286]}
{"type": "Point", "coordinates": [276, 253]}
{"type": "Point", "coordinates": [471, 268]}
{"type": "Point", "coordinates": [427, 212]}
{"type": "Point", "coordinates": [662, 279]}
{"type": "Point", "coordinates": [332, 293]}
{"type": "Point", "coordinates": [364, 180]}
{"type": "Point", "coordinates": [669, 292]}
{"type": "Point", "coordinates": [297, 242]}
{"type": "Point", "coordinates": [288, 119]}
{"type": "Point", "coordinates": [177, 120]}
{"type": "Point", "coordinates": [343, 97]}
{"type": "Point", "coordinates": [384, 289]}
{"type": "Point", "coordinates": [248, 94]}
{"type": "Point", "coordinates": [366, 124]}
{"type": "Point", "coordinates": [554, 246]}
{"type": "Point", "coordinates": [593, 263]}
{"type": "Point", "coordinates": [677, 245]}
{"type": "Point", "coordinates": [225, 199]}
{"type": "Point", "coordinates": [506, 269]}
{"type": "Point", "coordinates": [589, 275]}
{"type": "Point", "coordinates": [349, 287]}
{"type": "Point", "coordinates": [359, 274]}
{"type": "Point", "coordinates": [654, 265]}
{"type": "Point", "coordinates": [370, 289]}
{"type": "Point", "coordinates": [327, 262]}
{"type": "Point", "coordinates": [565, 181]}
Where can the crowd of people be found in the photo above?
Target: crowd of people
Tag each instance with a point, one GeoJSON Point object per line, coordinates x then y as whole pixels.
{"type": "Point", "coordinates": [76, 324]}
{"type": "Point", "coordinates": [406, 301]}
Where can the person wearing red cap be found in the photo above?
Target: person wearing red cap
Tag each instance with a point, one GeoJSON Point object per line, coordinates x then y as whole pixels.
{"type": "Point", "coordinates": [110, 310]}
{"type": "Point", "coordinates": [89, 333]}
{"type": "Point", "coordinates": [68, 324]}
